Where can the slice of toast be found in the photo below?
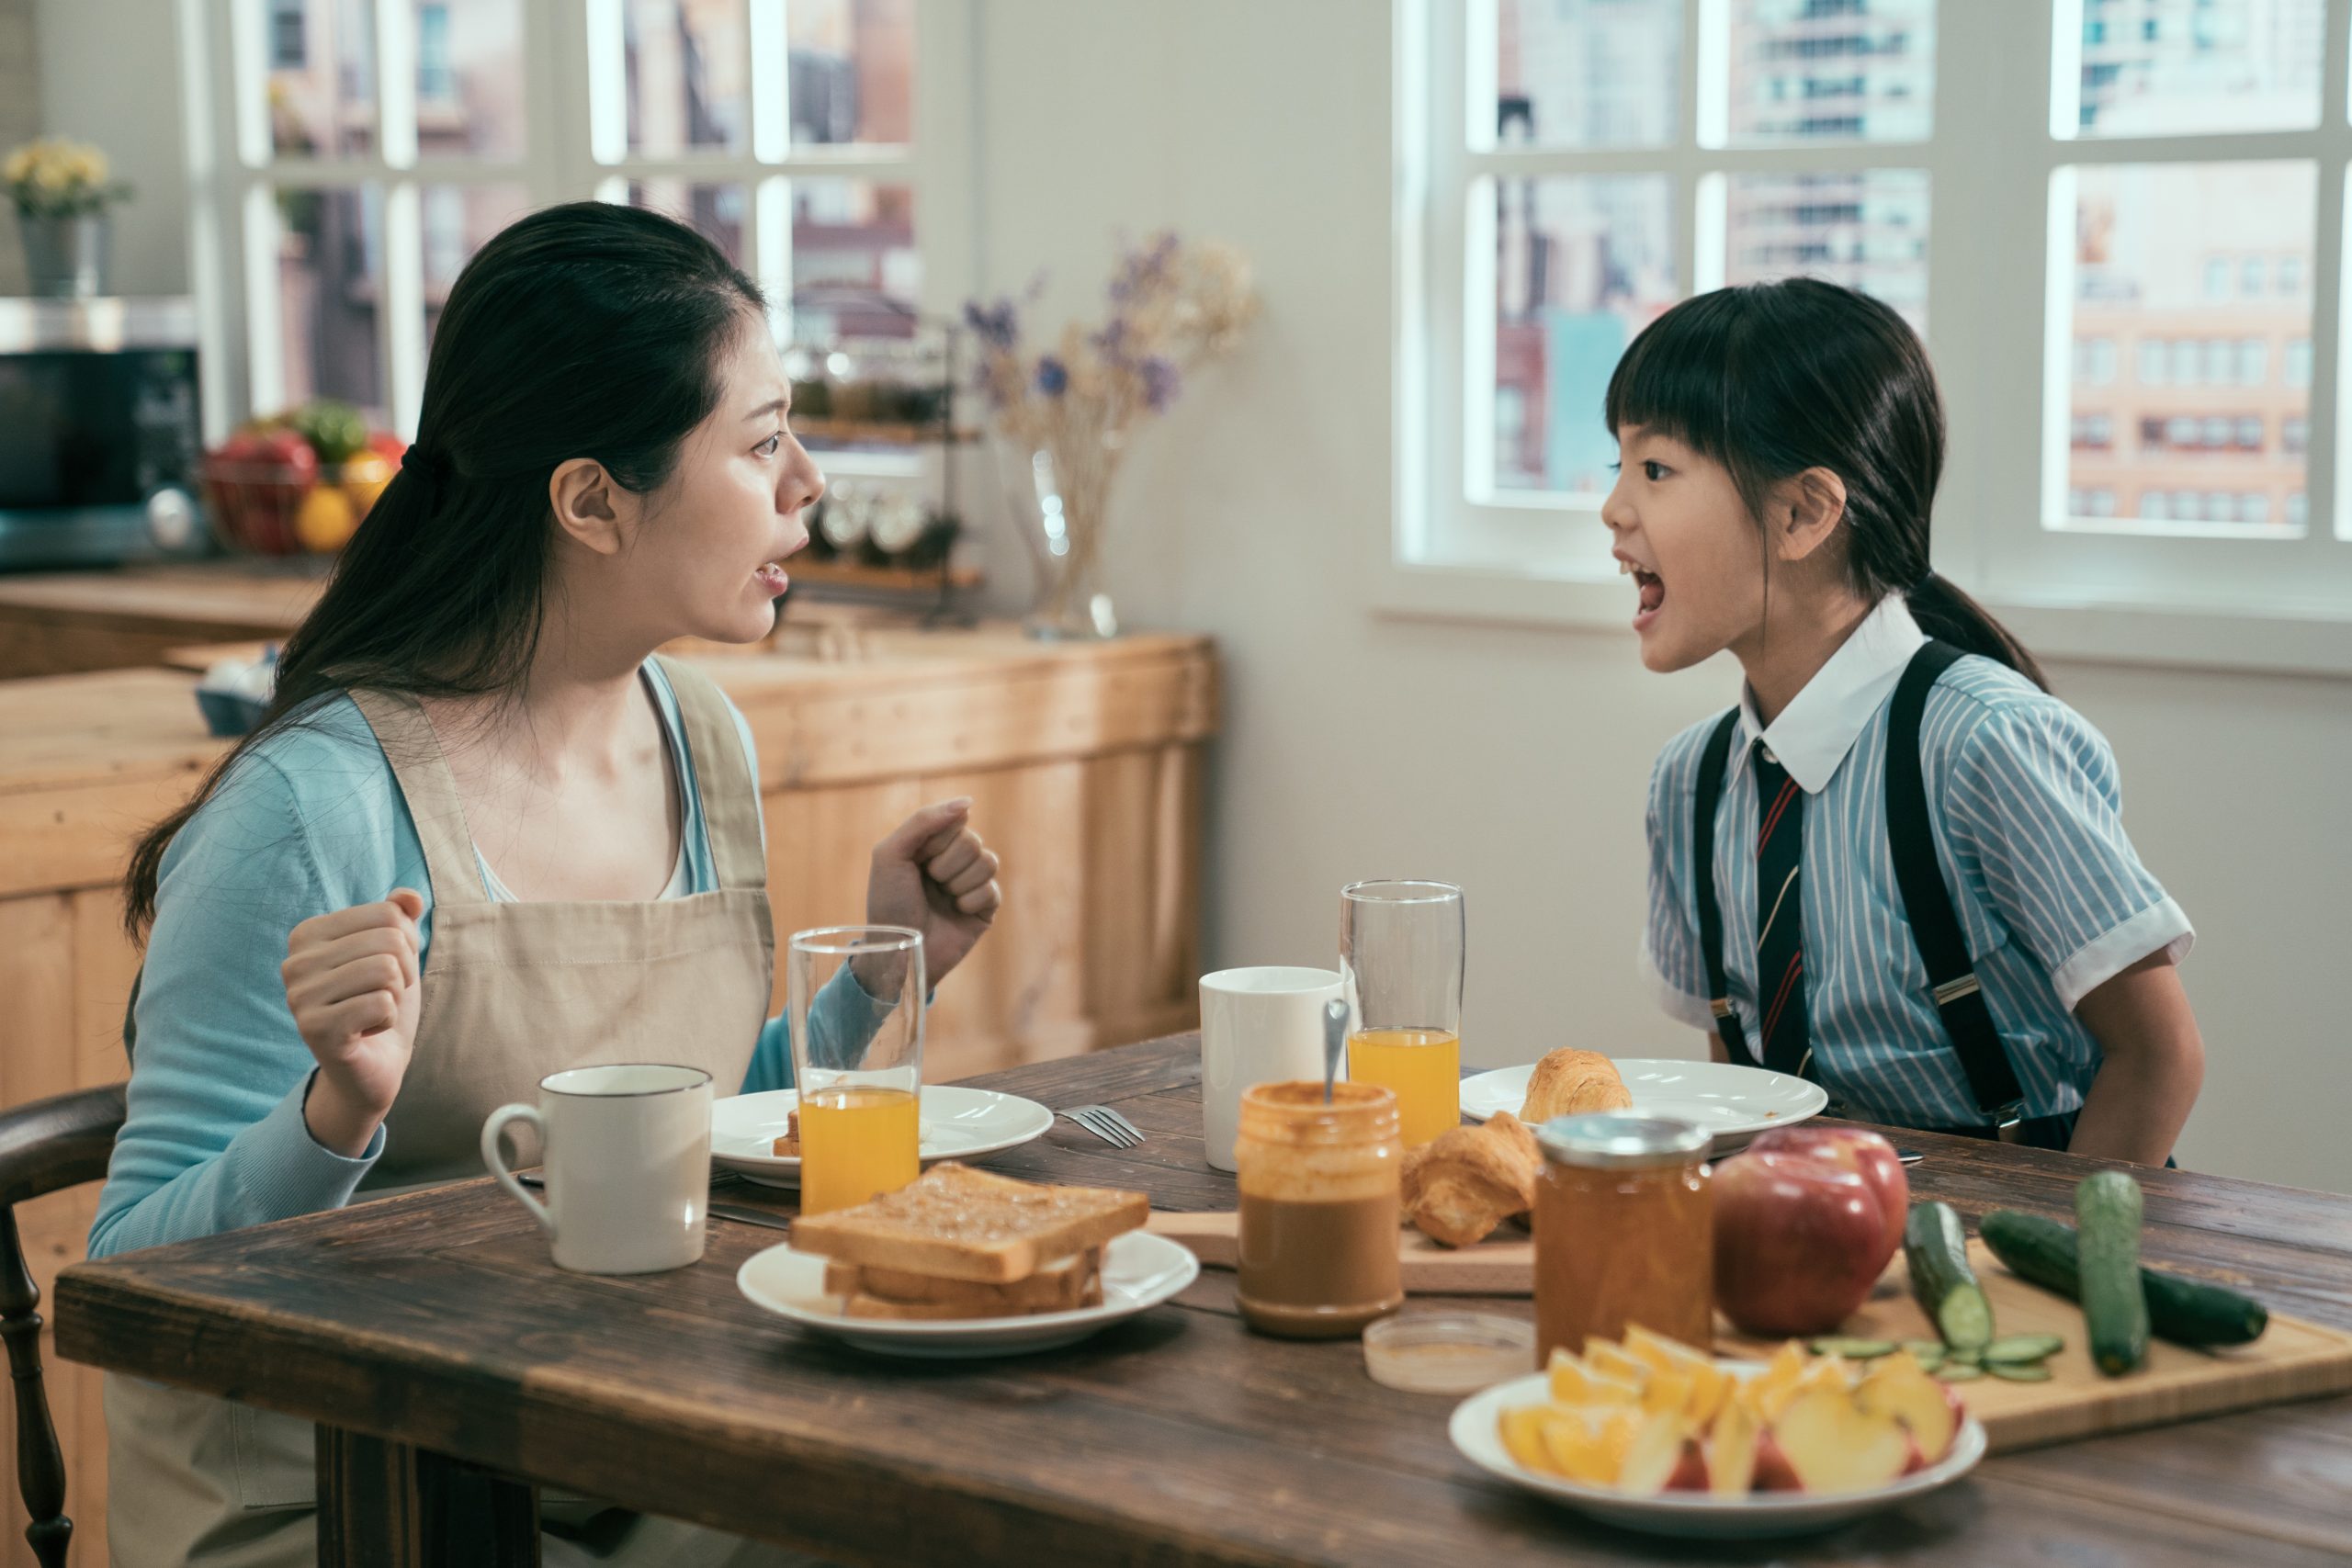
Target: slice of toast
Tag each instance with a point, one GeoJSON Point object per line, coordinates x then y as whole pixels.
{"type": "Point", "coordinates": [1058, 1287]}
{"type": "Point", "coordinates": [865, 1306]}
{"type": "Point", "coordinates": [956, 1223]}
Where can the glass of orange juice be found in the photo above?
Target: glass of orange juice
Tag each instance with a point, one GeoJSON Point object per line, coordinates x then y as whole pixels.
{"type": "Point", "coordinates": [1401, 967]}
{"type": "Point", "coordinates": [854, 995]}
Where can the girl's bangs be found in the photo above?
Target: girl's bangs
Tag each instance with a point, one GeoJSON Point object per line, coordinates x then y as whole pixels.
{"type": "Point", "coordinates": [1674, 378]}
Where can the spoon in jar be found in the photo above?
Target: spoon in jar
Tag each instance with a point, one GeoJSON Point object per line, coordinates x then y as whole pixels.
{"type": "Point", "coordinates": [1335, 1035]}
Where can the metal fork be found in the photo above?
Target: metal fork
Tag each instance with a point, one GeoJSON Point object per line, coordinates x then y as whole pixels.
{"type": "Point", "coordinates": [1106, 1124]}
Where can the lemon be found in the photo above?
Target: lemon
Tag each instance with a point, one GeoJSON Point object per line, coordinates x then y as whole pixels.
{"type": "Point", "coordinates": [325, 520]}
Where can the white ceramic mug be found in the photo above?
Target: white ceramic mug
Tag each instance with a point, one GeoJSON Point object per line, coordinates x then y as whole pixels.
{"type": "Point", "coordinates": [1262, 1025]}
{"type": "Point", "coordinates": [628, 1165]}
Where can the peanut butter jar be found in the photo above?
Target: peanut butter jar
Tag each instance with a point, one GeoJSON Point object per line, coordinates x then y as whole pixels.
{"type": "Point", "coordinates": [1320, 1208]}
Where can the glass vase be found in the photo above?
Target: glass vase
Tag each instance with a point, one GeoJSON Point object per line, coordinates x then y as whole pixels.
{"type": "Point", "coordinates": [1058, 513]}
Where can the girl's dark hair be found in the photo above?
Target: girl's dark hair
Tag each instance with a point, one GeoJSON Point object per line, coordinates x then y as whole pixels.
{"type": "Point", "coordinates": [584, 331]}
{"type": "Point", "coordinates": [1772, 378]}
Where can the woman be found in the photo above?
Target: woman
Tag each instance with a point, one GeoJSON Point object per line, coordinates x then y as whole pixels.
{"type": "Point", "coordinates": [1899, 865]}
{"type": "Point", "coordinates": [489, 835]}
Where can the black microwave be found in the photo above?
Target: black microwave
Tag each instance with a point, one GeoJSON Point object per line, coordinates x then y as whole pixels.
{"type": "Point", "coordinates": [100, 433]}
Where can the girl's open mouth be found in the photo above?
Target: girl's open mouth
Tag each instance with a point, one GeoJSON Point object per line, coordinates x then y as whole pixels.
{"type": "Point", "coordinates": [772, 577]}
{"type": "Point", "coordinates": [1653, 592]}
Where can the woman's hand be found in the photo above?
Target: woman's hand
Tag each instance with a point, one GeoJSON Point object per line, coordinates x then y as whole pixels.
{"type": "Point", "coordinates": [934, 874]}
{"type": "Point", "coordinates": [351, 983]}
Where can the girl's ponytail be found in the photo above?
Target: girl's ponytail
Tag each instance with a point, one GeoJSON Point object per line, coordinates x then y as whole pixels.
{"type": "Point", "coordinates": [1949, 615]}
{"type": "Point", "coordinates": [1772, 378]}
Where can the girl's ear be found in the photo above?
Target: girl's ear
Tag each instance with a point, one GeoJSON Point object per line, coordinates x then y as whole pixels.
{"type": "Point", "coordinates": [1806, 511]}
{"type": "Point", "coordinates": [589, 506]}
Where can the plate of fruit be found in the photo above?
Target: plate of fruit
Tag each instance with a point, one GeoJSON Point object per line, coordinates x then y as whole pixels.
{"type": "Point", "coordinates": [1654, 1436]}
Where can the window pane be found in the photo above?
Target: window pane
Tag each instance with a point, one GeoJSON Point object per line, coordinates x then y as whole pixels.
{"type": "Point", "coordinates": [321, 57]}
{"type": "Point", "coordinates": [2146, 242]}
{"type": "Point", "coordinates": [331, 274]}
{"type": "Point", "coordinates": [1832, 70]}
{"type": "Point", "coordinates": [852, 67]}
{"type": "Point", "coordinates": [1584, 264]}
{"type": "Point", "coordinates": [855, 271]}
{"type": "Point", "coordinates": [716, 212]}
{"type": "Point", "coordinates": [455, 221]}
{"type": "Point", "coordinates": [470, 78]}
{"type": "Point", "coordinates": [1866, 229]}
{"type": "Point", "coordinates": [684, 62]}
{"type": "Point", "coordinates": [1589, 72]}
{"type": "Point", "coordinates": [2152, 69]}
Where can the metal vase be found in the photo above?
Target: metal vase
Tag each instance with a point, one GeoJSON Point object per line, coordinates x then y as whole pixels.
{"type": "Point", "coordinates": [66, 257]}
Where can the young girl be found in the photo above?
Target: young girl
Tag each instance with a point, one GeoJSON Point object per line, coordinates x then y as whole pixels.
{"type": "Point", "coordinates": [481, 834]}
{"type": "Point", "coordinates": [1898, 866]}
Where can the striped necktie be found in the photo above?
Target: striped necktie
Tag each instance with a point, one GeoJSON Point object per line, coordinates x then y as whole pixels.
{"type": "Point", "coordinates": [1779, 915]}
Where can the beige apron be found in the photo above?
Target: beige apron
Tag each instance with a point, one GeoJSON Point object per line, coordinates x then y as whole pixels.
{"type": "Point", "coordinates": [512, 992]}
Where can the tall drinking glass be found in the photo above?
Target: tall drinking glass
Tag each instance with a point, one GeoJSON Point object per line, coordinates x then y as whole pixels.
{"type": "Point", "coordinates": [1400, 965]}
{"type": "Point", "coordinates": [855, 995]}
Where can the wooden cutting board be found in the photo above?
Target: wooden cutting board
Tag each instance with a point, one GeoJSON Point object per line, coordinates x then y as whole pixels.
{"type": "Point", "coordinates": [2293, 1360]}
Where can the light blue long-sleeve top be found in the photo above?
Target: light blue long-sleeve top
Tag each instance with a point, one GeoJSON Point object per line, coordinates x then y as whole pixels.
{"type": "Point", "coordinates": [311, 820]}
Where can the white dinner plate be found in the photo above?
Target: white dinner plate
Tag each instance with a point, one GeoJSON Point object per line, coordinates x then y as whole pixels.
{"type": "Point", "coordinates": [1733, 1103]}
{"type": "Point", "coordinates": [1695, 1515]}
{"type": "Point", "coordinates": [1139, 1271]}
{"type": "Point", "coordinates": [957, 1123]}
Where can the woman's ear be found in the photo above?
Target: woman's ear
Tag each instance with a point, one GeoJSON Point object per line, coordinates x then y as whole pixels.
{"type": "Point", "coordinates": [589, 506]}
{"type": "Point", "coordinates": [1806, 511]}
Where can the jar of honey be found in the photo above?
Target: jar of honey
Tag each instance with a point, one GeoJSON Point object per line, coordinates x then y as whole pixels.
{"type": "Point", "coordinates": [1320, 1208]}
{"type": "Point", "coordinates": [1624, 1232]}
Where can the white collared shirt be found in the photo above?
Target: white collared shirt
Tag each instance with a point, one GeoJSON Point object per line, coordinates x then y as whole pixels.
{"type": "Point", "coordinates": [2025, 805]}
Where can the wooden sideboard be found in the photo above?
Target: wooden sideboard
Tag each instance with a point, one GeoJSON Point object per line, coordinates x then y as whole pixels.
{"type": "Point", "coordinates": [1085, 762]}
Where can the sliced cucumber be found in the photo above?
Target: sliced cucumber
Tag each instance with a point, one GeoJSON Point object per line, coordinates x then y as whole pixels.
{"type": "Point", "coordinates": [1853, 1349]}
{"type": "Point", "coordinates": [1925, 1350]}
{"type": "Point", "coordinates": [1935, 1246]}
{"type": "Point", "coordinates": [1957, 1370]}
{"type": "Point", "coordinates": [2018, 1372]}
{"type": "Point", "coordinates": [2022, 1350]}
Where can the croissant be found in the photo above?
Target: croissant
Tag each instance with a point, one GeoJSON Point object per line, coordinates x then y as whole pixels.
{"type": "Point", "coordinates": [1467, 1180]}
{"type": "Point", "coordinates": [1570, 1082]}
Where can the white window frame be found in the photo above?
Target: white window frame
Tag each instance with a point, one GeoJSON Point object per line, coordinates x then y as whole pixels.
{"type": "Point", "coordinates": [2268, 604]}
{"type": "Point", "coordinates": [572, 112]}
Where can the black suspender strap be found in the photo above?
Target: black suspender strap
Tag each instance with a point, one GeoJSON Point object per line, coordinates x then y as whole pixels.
{"type": "Point", "coordinates": [1927, 902]}
{"type": "Point", "coordinates": [1713, 763]}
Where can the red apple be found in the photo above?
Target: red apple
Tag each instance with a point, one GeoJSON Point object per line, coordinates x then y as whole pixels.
{"type": "Point", "coordinates": [1774, 1471]}
{"type": "Point", "coordinates": [1862, 1151]}
{"type": "Point", "coordinates": [1797, 1243]}
{"type": "Point", "coordinates": [1834, 1444]}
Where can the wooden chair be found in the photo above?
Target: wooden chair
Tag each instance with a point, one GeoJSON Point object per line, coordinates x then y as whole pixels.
{"type": "Point", "coordinates": [44, 1146]}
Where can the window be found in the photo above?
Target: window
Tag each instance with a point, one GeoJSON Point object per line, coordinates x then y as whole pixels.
{"type": "Point", "coordinates": [2104, 280]}
{"type": "Point", "coordinates": [377, 143]}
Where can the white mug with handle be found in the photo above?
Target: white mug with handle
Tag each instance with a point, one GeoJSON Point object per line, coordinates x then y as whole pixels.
{"type": "Point", "coordinates": [628, 1165]}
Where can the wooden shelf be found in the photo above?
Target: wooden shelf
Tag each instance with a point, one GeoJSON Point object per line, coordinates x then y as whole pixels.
{"type": "Point", "coordinates": [887, 579]}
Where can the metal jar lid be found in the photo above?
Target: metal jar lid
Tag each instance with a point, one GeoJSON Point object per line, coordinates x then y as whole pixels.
{"type": "Point", "coordinates": [1613, 1140]}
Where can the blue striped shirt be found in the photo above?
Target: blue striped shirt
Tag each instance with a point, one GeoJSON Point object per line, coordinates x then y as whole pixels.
{"type": "Point", "coordinates": [2026, 808]}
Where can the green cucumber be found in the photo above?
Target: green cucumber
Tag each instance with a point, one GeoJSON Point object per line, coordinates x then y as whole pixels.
{"type": "Point", "coordinates": [1925, 1350]}
{"type": "Point", "coordinates": [1957, 1371]}
{"type": "Point", "coordinates": [2020, 1371]}
{"type": "Point", "coordinates": [1936, 1249]}
{"type": "Point", "coordinates": [1853, 1349]}
{"type": "Point", "coordinates": [2187, 1311]}
{"type": "Point", "coordinates": [2022, 1350]}
{"type": "Point", "coordinates": [2115, 1309]}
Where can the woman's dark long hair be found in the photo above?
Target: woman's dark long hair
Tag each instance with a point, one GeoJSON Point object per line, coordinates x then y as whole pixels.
{"type": "Point", "coordinates": [1772, 378]}
{"type": "Point", "coordinates": [584, 330]}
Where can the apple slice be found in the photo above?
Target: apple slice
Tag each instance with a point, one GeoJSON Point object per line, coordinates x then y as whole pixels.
{"type": "Point", "coordinates": [1769, 1393]}
{"type": "Point", "coordinates": [1931, 1411]}
{"type": "Point", "coordinates": [1660, 1353]}
{"type": "Point", "coordinates": [1773, 1472]}
{"type": "Point", "coordinates": [1709, 1383]}
{"type": "Point", "coordinates": [1731, 1450]}
{"type": "Point", "coordinates": [1600, 1356]}
{"type": "Point", "coordinates": [1669, 1391]}
{"type": "Point", "coordinates": [1834, 1444]}
{"type": "Point", "coordinates": [1575, 1384]}
{"type": "Point", "coordinates": [1663, 1457]}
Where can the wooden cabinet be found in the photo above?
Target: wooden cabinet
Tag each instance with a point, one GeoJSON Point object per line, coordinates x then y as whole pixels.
{"type": "Point", "coordinates": [1085, 763]}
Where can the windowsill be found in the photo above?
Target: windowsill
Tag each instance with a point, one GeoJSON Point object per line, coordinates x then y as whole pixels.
{"type": "Point", "coordinates": [2183, 638]}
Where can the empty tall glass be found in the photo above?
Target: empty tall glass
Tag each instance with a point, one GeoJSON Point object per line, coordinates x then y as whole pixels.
{"type": "Point", "coordinates": [856, 996]}
{"type": "Point", "coordinates": [1400, 963]}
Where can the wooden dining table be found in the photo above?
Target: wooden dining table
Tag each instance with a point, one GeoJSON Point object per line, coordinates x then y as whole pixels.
{"type": "Point", "coordinates": [454, 1371]}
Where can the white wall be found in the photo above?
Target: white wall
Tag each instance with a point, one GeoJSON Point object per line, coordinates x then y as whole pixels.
{"type": "Point", "coordinates": [110, 73]}
{"type": "Point", "coordinates": [1515, 761]}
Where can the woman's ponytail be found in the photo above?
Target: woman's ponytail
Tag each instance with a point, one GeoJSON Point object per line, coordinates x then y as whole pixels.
{"type": "Point", "coordinates": [1949, 615]}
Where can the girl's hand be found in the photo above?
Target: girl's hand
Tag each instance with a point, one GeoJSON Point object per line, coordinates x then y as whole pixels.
{"type": "Point", "coordinates": [936, 876]}
{"type": "Point", "coordinates": [351, 983]}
